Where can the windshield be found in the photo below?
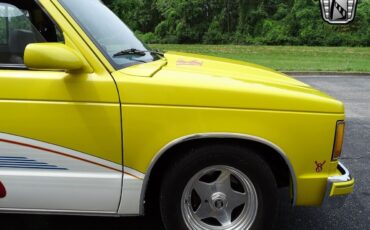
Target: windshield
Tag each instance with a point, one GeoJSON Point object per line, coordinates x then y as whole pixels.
{"type": "Point", "coordinates": [108, 32]}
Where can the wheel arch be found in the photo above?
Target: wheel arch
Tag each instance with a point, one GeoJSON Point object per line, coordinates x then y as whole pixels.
{"type": "Point", "coordinates": [186, 142]}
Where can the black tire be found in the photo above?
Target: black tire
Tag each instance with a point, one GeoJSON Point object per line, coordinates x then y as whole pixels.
{"type": "Point", "coordinates": [241, 158]}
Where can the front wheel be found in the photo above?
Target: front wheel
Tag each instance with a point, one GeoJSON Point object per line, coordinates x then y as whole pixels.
{"type": "Point", "coordinates": [219, 188]}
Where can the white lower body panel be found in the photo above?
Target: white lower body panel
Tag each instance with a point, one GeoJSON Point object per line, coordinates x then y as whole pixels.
{"type": "Point", "coordinates": [60, 191]}
{"type": "Point", "coordinates": [131, 192]}
{"type": "Point", "coordinates": [42, 176]}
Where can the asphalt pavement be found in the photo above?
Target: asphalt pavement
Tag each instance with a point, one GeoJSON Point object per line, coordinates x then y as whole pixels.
{"type": "Point", "coordinates": [354, 91]}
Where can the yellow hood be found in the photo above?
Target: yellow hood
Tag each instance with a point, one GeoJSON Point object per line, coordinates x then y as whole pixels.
{"type": "Point", "coordinates": [222, 67]}
{"type": "Point", "coordinates": [202, 81]}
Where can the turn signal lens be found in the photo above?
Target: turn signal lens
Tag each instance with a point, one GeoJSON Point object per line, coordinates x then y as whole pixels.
{"type": "Point", "coordinates": [338, 141]}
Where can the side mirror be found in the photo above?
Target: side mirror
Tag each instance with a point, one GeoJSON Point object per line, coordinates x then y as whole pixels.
{"type": "Point", "coordinates": [52, 56]}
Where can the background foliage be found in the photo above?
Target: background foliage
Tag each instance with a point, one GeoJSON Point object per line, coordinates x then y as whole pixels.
{"type": "Point", "coordinates": [253, 22]}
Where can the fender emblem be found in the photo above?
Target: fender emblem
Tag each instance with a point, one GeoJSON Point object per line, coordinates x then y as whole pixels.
{"type": "Point", "coordinates": [319, 166]}
{"type": "Point", "coordinates": [2, 190]}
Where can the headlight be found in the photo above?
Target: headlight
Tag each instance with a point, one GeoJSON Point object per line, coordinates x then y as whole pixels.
{"type": "Point", "coordinates": [338, 141]}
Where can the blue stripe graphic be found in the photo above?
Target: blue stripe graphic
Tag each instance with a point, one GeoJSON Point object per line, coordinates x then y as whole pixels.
{"type": "Point", "coordinates": [13, 157]}
{"type": "Point", "coordinates": [22, 162]}
{"type": "Point", "coordinates": [26, 163]}
{"type": "Point", "coordinates": [31, 167]}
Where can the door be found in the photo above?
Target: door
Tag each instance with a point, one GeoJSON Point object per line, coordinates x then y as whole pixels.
{"type": "Point", "coordinates": [60, 133]}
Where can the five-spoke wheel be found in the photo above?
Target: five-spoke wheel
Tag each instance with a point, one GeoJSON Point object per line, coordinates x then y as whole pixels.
{"type": "Point", "coordinates": [219, 197]}
{"type": "Point", "coordinates": [218, 187]}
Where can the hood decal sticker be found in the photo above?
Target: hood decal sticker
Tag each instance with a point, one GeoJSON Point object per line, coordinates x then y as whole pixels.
{"type": "Point", "coordinates": [182, 62]}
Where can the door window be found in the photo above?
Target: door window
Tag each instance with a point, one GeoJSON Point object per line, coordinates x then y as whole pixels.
{"type": "Point", "coordinates": [22, 25]}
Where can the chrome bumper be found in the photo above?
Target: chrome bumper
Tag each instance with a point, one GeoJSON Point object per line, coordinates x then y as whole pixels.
{"type": "Point", "coordinates": [338, 188]}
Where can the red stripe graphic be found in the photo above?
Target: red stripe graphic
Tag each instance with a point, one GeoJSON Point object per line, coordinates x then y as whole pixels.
{"type": "Point", "coordinates": [132, 175]}
{"type": "Point", "coordinates": [60, 153]}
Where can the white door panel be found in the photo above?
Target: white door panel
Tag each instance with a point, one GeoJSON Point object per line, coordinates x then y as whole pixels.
{"type": "Point", "coordinates": [42, 176]}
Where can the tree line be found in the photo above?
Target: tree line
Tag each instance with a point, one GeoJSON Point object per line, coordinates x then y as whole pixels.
{"type": "Point", "coordinates": [251, 22]}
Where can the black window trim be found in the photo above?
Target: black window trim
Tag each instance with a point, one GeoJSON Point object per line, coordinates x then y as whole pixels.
{"type": "Point", "coordinates": [7, 66]}
{"type": "Point", "coordinates": [49, 16]}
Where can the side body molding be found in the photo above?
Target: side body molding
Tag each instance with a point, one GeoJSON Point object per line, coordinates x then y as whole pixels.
{"type": "Point", "coordinates": [220, 135]}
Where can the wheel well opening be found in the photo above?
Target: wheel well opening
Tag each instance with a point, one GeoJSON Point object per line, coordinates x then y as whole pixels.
{"type": "Point", "coordinates": [276, 162]}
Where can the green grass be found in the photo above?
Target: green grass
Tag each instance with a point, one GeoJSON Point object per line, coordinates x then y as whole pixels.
{"type": "Point", "coordinates": [287, 58]}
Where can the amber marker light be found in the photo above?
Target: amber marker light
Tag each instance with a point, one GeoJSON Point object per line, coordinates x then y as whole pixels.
{"type": "Point", "coordinates": [338, 141]}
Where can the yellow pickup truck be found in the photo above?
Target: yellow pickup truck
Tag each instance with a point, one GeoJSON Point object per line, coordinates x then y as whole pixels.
{"type": "Point", "coordinates": [93, 122]}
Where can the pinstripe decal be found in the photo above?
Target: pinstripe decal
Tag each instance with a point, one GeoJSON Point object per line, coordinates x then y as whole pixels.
{"type": "Point", "coordinates": [23, 162]}
{"type": "Point", "coordinates": [57, 152]}
{"type": "Point", "coordinates": [26, 163]}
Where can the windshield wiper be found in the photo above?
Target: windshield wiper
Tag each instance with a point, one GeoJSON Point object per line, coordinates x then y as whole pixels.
{"type": "Point", "coordinates": [156, 52]}
{"type": "Point", "coordinates": [137, 52]}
